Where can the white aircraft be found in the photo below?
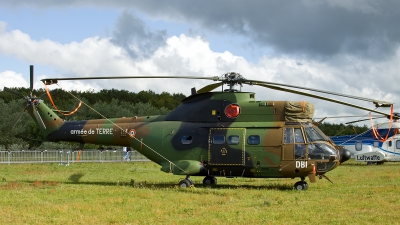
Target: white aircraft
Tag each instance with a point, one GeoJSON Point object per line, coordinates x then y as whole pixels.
{"type": "Point", "coordinates": [378, 145]}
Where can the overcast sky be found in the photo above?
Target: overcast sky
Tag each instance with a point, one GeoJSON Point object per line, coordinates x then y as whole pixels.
{"type": "Point", "coordinates": [345, 46]}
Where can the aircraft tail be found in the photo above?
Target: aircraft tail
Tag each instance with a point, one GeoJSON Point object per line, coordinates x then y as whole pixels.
{"type": "Point", "coordinates": [44, 117]}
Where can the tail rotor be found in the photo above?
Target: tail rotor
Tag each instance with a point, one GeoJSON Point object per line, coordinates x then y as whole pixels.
{"type": "Point", "coordinates": [30, 101]}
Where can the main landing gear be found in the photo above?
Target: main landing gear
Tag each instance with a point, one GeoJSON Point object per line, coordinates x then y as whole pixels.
{"type": "Point", "coordinates": [210, 180]}
{"type": "Point", "coordinates": [187, 182]}
{"type": "Point", "coordinates": [301, 185]}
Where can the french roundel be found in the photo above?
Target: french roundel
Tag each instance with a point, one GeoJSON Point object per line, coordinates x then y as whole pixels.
{"type": "Point", "coordinates": [232, 111]}
{"type": "Point", "coordinates": [132, 133]}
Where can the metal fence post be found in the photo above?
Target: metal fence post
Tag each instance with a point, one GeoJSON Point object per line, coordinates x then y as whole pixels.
{"type": "Point", "coordinates": [68, 158]}
{"type": "Point", "coordinates": [60, 156]}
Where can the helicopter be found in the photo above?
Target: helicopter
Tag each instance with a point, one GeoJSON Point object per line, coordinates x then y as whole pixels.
{"type": "Point", "coordinates": [377, 145]}
{"type": "Point", "coordinates": [225, 133]}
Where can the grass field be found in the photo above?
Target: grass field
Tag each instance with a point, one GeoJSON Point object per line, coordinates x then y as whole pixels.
{"type": "Point", "coordinates": [138, 193]}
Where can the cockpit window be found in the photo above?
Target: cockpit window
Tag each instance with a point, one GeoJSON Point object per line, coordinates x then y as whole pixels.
{"type": "Point", "coordinates": [298, 135]}
{"type": "Point", "coordinates": [290, 137]}
{"type": "Point", "coordinates": [321, 151]}
{"type": "Point", "coordinates": [313, 135]}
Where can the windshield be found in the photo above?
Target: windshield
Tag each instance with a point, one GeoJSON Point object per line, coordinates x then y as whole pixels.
{"type": "Point", "coordinates": [313, 135]}
{"type": "Point", "coordinates": [321, 151]}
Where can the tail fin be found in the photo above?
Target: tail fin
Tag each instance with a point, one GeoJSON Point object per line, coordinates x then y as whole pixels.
{"type": "Point", "coordinates": [45, 118]}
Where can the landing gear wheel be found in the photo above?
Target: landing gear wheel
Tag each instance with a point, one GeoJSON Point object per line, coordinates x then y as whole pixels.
{"type": "Point", "coordinates": [185, 183]}
{"type": "Point", "coordinates": [301, 186]}
{"type": "Point", "coordinates": [210, 180]}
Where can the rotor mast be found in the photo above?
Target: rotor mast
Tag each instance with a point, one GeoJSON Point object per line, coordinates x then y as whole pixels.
{"type": "Point", "coordinates": [232, 79]}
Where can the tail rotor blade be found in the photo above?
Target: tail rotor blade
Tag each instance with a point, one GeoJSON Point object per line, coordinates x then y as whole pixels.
{"type": "Point", "coordinates": [13, 92]}
{"type": "Point", "coordinates": [31, 78]}
{"type": "Point", "coordinates": [52, 92]}
{"type": "Point", "coordinates": [39, 119]}
{"type": "Point", "coordinates": [17, 119]}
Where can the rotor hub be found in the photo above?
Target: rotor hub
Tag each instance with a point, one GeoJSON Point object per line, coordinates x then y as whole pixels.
{"type": "Point", "coordinates": [232, 79]}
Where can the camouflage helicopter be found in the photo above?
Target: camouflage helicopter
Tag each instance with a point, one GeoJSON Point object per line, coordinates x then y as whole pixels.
{"type": "Point", "coordinates": [213, 134]}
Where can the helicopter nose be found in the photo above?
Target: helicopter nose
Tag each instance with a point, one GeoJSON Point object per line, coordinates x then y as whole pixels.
{"type": "Point", "coordinates": [344, 155]}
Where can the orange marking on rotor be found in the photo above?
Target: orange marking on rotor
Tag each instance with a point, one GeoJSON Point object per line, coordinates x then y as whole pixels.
{"type": "Point", "coordinates": [54, 105]}
{"type": "Point", "coordinates": [376, 133]}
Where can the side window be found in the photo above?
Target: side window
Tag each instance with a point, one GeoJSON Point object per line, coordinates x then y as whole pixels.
{"type": "Point", "coordinates": [390, 143]}
{"type": "Point", "coordinates": [233, 140]}
{"type": "Point", "coordinates": [358, 146]}
{"type": "Point", "coordinates": [218, 140]}
{"type": "Point", "coordinates": [186, 140]}
{"type": "Point", "coordinates": [253, 140]}
{"type": "Point", "coordinates": [376, 144]}
{"type": "Point", "coordinates": [288, 135]}
{"type": "Point", "coordinates": [398, 144]}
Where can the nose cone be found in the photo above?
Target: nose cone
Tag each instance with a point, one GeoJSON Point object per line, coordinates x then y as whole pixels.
{"type": "Point", "coordinates": [344, 155]}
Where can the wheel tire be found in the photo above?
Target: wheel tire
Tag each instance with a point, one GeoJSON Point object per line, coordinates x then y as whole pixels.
{"type": "Point", "coordinates": [305, 185]}
{"type": "Point", "coordinates": [184, 183]}
{"type": "Point", "coordinates": [209, 180]}
{"type": "Point", "coordinates": [301, 186]}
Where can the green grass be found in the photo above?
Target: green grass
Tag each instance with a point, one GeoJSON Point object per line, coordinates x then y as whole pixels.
{"type": "Point", "coordinates": [139, 193]}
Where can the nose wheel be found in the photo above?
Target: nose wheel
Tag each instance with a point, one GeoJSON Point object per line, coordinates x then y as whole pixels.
{"type": "Point", "coordinates": [301, 185]}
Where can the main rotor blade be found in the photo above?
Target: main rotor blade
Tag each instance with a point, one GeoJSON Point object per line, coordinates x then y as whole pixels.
{"type": "Point", "coordinates": [382, 103]}
{"type": "Point", "coordinates": [360, 120]}
{"type": "Point", "coordinates": [13, 92]}
{"type": "Point", "coordinates": [49, 81]}
{"type": "Point", "coordinates": [234, 79]}
{"type": "Point", "coordinates": [209, 88]}
{"type": "Point", "coordinates": [330, 117]}
{"type": "Point", "coordinates": [320, 97]}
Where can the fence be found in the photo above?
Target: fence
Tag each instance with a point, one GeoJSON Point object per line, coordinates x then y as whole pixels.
{"type": "Point", "coordinates": [67, 156]}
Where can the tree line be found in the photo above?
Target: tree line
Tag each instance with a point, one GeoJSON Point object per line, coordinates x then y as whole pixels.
{"type": "Point", "coordinates": [111, 103]}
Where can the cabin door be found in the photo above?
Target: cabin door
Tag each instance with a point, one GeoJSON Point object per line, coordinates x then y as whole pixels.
{"type": "Point", "coordinates": [226, 146]}
{"type": "Point", "coordinates": [294, 148]}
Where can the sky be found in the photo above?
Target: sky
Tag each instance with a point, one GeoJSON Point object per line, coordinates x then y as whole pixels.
{"type": "Point", "coordinates": [344, 46]}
